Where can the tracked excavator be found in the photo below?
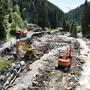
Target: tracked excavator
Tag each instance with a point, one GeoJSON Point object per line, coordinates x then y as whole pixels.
{"type": "Point", "coordinates": [64, 61]}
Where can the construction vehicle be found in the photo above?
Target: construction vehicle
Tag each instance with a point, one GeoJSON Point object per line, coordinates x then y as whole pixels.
{"type": "Point", "coordinates": [64, 59]}
{"type": "Point", "coordinates": [23, 48]}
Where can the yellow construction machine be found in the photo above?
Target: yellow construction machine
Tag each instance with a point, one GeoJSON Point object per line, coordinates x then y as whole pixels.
{"type": "Point", "coordinates": [23, 49]}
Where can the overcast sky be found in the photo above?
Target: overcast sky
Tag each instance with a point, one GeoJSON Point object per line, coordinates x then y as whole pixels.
{"type": "Point", "coordinates": [67, 5]}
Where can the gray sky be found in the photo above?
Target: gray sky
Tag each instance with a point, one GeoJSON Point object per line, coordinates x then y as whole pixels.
{"type": "Point", "coordinates": [67, 5]}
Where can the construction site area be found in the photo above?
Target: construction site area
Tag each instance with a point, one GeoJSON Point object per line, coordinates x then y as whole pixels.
{"type": "Point", "coordinates": [45, 61]}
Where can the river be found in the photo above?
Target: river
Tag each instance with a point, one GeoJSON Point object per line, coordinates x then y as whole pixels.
{"type": "Point", "coordinates": [85, 75]}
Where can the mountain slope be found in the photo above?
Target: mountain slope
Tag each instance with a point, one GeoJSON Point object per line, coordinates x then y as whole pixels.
{"type": "Point", "coordinates": [76, 13]}
{"type": "Point", "coordinates": [40, 12]}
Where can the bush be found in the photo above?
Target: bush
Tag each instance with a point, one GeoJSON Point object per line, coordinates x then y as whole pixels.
{"type": "Point", "coordinates": [4, 64]}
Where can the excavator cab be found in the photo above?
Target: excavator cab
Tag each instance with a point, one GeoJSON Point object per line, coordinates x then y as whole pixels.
{"type": "Point", "coordinates": [64, 61]}
{"type": "Point", "coordinates": [23, 50]}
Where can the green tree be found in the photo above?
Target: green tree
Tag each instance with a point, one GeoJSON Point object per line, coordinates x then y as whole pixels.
{"type": "Point", "coordinates": [10, 5]}
{"type": "Point", "coordinates": [73, 29]}
{"type": "Point", "coordinates": [42, 12]}
{"type": "Point", "coordinates": [85, 20]}
{"type": "Point", "coordinates": [33, 13]}
{"type": "Point", "coordinates": [2, 28]}
{"type": "Point", "coordinates": [13, 28]}
{"type": "Point", "coordinates": [10, 18]}
{"type": "Point", "coordinates": [17, 9]}
{"type": "Point", "coordinates": [17, 19]}
{"type": "Point", "coordinates": [64, 24]}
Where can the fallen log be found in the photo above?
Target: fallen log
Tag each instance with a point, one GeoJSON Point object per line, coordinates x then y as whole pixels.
{"type": "Point", "coordinates": [16, 76]}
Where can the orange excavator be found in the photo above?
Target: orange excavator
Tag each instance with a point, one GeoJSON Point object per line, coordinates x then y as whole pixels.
{"type": "Point", "coordinates": [64, 60]}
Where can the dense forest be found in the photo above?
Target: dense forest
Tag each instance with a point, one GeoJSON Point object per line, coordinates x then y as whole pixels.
{"type": "Point", "coordinates": [40, 12]}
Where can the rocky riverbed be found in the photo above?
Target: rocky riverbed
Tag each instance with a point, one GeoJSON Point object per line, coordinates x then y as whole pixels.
{"type": "Point", "coordinates": [44, 73]}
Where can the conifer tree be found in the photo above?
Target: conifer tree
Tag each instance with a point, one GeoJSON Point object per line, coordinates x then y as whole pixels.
{"type": "Point", "coordinates": [85, 20]}
{"type": "Point", "coordinates": [2, 28]}
{"type": "Point", "coordinates": [73, 29]}
{"type": "Point", "coordinates": [63, 24]}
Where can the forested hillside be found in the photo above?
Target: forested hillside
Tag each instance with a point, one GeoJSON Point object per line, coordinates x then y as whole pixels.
{"type": "Point", "coordinates": [10, 18]}
{"type": "Point", "coordinates": [76, 13]}
{"type": "Point", "coordinates": [14, 13]}
{"type": "Point", "coordinates": [85, 20]}
{"type": "Point", "coordinates": [40, 12]}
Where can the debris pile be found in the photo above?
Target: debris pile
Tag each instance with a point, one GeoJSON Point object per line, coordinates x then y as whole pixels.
{"type": "Point", "coordinates": [8, 76]}
{"type": "Point", "coordinates": [42, 80]}
{"type": "Point", "coordinates": [49, 42]}
{"type": "Point", "coordinates": [54, 78]}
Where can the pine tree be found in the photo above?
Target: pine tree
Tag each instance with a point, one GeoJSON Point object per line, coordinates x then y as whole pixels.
{"type": "Point", "coordinates": [33, 13]}
{"type": "Point", "coordinates": [73, 29]}
{"type": "Point", "coordinates": [18, 20]}
{"type": "Point", "coordinates": [10, 5]}
{"type": "Point", "coordinates": [17, 9]}
{"type": "Point", "coordinates": [63, 24]}
{"type": "Point", "coordinates": [2, 28]}
{"type": "Point", "coordinates": [85, 20]}
{"type": "Point", "coordinates": [45, 14]}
